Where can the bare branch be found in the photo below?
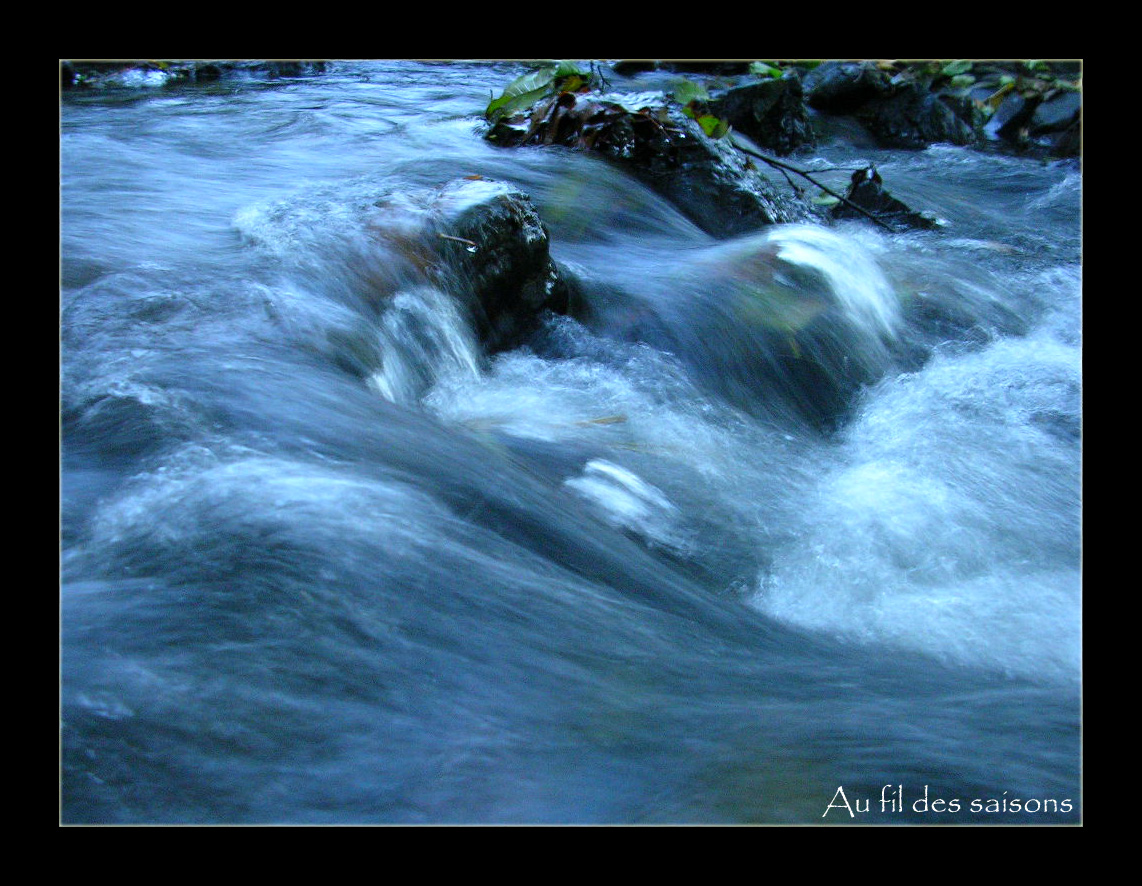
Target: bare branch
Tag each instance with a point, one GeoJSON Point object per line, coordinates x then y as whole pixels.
{"type": "Point", "coordinates": [748, 147]}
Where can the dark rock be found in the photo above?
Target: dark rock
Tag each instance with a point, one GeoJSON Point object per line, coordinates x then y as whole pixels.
{"type": "Point", "coordinates": [497, 258]}
{"type": "Point", "coordinates": [1068, 68]}
{"type": "Point", "coordinates": [913, 117]}
{"type": "Point", "coordinates": [1056, 113]}
{"type": "Point", "coordinates": [708, 180]}
{"type": "Point", "coordinates": [920, 104]}
{"type": "Point", "coordinates": [290, 68]}
{"type": "Point", "coordinates": [867, 191]}
{"type": "Point", "coordinates": [628, 67]}
{"type": "Point", "coordinates": [713, 183]}
{"type": "Point", "coordinates": [721, 68]}
{"type": "Point", "coordinates": [1011, 117]}
{"type": "Point", "coordinates": [66, 74]}
{"type": "Point", "coordinates": [1069, 142]}
{"type": "Point", "coordinates": [771, 112]}
{"type": "Point", "coordinates": [842, 87]}
{"type": "Point", "coordinates": [207, 71]}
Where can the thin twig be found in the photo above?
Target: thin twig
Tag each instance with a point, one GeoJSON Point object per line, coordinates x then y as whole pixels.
{"type": "Point", "coordinates": [796, 190]}
{"type": "Point", "coordinates": [457, 239]}
{"type": "Point", "coordinates": [778, 164]}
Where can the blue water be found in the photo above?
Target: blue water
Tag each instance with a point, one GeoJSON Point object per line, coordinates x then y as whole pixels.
{"type": "Point", "coordinates": [324, 560]}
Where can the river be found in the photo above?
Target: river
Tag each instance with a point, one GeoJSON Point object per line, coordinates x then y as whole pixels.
{"type": "Point", "coordinates": [323, 561]}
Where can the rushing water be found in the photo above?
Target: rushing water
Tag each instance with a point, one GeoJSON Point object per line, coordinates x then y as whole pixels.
{"type": "Point", "coordinates": [323, 561]}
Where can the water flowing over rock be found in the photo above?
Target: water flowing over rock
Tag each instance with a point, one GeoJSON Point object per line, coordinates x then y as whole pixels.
{"type": "Point", "coordinates": [478, 243]}
{"type": "Point", "coordinates": [797, 317]}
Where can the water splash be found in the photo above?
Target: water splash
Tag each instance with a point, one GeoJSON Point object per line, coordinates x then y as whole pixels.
{"type": "Point", "coordinates": [953, 526]}
{"type": "Point", "coordinates": [424, 338]}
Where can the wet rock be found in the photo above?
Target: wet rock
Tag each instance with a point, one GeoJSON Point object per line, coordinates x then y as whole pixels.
{"type": "Point", "coordinates": [289, 68]}
{"type": "Point", "coordinates": [1068, 143]}
{"type": "Point", "coordinates": [1056, 113]}
{"type": "Point", "coordinates": [867, 191]}
{"type": "Point", "coordinates": [912, 105]}
{"type": "Point", "coordinates": [628, 67]}
{"type": "Point", "coordinates": [205, 72]}
{"type": "Point", "coordinates": [708, 180]}
{"type": "Point", "coordinates": [1010, 118]}
{"type": "Point", "coordinates": [843, 87]}
{"type": "Point", "coordinates": [716, 185]}
{"type": "Point", "coordinates": [914, 117]}
{"type": "Point", "coordinates": [771, 112]}
{"type": "Point", "coordinates": [791, 322]}
{"type": "Point", "coordinates": [495, 250]}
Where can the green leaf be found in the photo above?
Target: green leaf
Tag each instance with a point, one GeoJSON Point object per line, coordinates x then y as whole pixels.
{"type": "Point", "coordinates": [764, 69]}
{"type": "Point", "coordinates": [712, 126]}
{"type": "Point", "coordinates": [954, 68]}
{"type": "Point", "coordinates": [525, 91]}
{"type": "Point", "coordinates": [567, 68]}
{"type": "Point", "coordinates": [685, 92]}
{"type": "Point", "coordinates": [962, 81]}
{"type": "Point", "coordinates": [521, 93]}
{"type": "Point", "coordinates": [571, 83]}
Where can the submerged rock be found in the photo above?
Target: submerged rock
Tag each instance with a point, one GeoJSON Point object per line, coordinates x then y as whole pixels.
{"type": "Point", "coordinates": [788, 324]}
{"type": "Point", "coordinates": [795, 321]}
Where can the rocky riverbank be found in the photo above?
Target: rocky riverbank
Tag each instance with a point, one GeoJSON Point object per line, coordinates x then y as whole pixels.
{"type": "Point", "coordinates": [711, 136]}
{"type": "Point", "coordinates": [1019, 105]}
